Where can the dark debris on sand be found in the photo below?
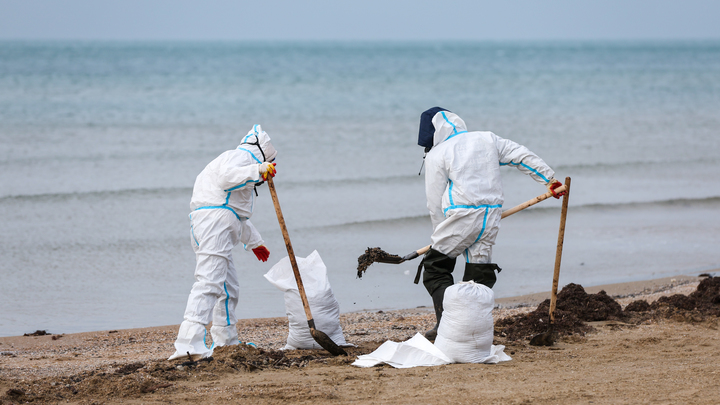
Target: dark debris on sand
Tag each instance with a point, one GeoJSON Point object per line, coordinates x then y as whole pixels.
{"type": "Point", "coordinates": [703, 302]}
{"type": "Point", "coordinates": [370, 256]}
{"type": "Point", "coordinates": [575, 308]}
{"type": "Point", "coordinates": [38, 333]}
{"type": "Point", "coordinates": [136, 379]}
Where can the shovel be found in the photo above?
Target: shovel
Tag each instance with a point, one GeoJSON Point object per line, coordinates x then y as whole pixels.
{"type": "Point", "coordinates": [377, 255]}
{"type": "Point", "coordinates": [547, 338]}
{"type": "Point", "coordinates": [320, 337]}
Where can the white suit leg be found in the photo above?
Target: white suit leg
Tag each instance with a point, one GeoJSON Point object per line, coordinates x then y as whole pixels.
{"type": "Point", "coordinates": [223, 330]}
{"type": "Point", "coordinates": [480, 251]}
{"type": "Point", "coordinates": [214, 234]}
{"type": "Point", "coordinates": [470, 232]}
{"type": "Point", "coordinates": [458, 231]}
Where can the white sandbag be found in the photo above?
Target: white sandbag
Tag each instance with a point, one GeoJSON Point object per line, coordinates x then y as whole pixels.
{"type": "Point", "coordinates": [465, 333]}
{"type": "Point", "coordinates": [323, 305]}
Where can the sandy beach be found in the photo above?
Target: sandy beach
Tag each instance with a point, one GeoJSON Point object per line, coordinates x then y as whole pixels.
{"type": "Point", "coordinates": [663, 354]}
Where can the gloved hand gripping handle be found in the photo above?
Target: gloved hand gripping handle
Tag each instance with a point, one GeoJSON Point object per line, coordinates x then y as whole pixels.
{"type": "Point", "coordinates": [533, 201]}
{"type": "Point", "coordinates": [417, 253]}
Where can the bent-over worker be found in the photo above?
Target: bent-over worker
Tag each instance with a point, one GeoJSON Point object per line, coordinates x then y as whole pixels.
{"type": "Point", "coordinates": [222, 203]}
{"type": "Point", "coordinates": [465, 197]}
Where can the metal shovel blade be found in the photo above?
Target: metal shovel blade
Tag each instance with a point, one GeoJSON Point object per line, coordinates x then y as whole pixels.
{"type": "Point", "coordinates": [373, 255]}
{"type": "Point", "coordinates": [544, 339]}
{"type": "Point", "coordinates": [380, 256]}
{"type": "Point", "coordinates": [377, 255]}
{"type": "Point", "coordinates": [325, 342]}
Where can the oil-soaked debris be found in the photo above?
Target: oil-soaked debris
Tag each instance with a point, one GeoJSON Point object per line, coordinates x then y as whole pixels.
{"type": "Point", "coordinates": [14, 394]}
{"type": "Point", "coordinates": [575, 308]}
{"type": "Point", "coordinates": [136, 379]}
{"type": "Point", "coordinates": [129, 368]}
{"type": "Point", "coordinates": [38, 333]}
{"type": "Point", "coordinates": [705, 300]}
{"type": "Point", "coordinates": [371, 256]}
{"type": "Point", "coordinates": [638, 306]}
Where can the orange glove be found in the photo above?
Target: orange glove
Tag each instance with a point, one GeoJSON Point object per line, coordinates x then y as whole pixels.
{"type": "Point", "coordinates": [552, 185]}
{"type": "Point", "coordinates": [267, 169]}
{"type": "Point", "coordinates": [262, 253]}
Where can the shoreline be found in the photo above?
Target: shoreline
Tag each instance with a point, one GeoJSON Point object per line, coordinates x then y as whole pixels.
{"type": "Point", "coordinates": [615, 290]}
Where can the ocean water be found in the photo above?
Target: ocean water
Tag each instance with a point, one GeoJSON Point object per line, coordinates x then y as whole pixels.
{"type": "Point", "coordinates": [100, 144]}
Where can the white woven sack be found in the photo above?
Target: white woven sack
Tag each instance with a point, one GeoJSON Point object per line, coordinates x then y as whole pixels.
{"type": "Point", "coordinates": [465, 333]}
{"type": "Point", "coordinates": [323, 305]}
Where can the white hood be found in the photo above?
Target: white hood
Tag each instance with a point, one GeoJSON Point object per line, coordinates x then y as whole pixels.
{"type": "Point", "coordinates": [446, 125]}
{"type": "Point", "coordinates": [257, 135]}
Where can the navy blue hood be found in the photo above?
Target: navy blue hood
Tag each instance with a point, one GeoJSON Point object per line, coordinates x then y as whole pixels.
{"type": "Point", "coordinates": [427, 129]}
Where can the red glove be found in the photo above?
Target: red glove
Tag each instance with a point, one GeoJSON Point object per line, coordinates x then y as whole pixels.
{"type": "Point", "coordinates": [262, 253]}
{"type": "Point", "coordinates": [552, 185]}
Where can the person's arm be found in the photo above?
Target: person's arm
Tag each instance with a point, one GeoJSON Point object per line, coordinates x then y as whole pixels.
{"type": "Point", "coordinates": [436, 180]}
{"type": "Point", "coordinates": [249, 236]}
{"type": "Point", "coordinates": [232, 177]}
{"type": "Point", "coordinates": [251, 240]}
{"type": "Point", "coordinates": [516, 155]}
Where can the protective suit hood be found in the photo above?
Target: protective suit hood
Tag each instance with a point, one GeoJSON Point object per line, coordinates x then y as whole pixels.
{"type": "Point", "coordinates": [446, 125]}
{"type": "Point", "coordinates": [261, 140]}
{"type": "Point", "coordinates": [427, 129]}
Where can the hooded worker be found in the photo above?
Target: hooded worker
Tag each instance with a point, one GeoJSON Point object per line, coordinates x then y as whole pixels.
{"type": "Point", "coordinates": [222, 203]}
{"type": "Point", "coordinates": [465, 197]}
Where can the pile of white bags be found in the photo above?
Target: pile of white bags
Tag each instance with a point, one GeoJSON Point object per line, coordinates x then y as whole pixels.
{"type": "Point", "coordinates": [323, 305]}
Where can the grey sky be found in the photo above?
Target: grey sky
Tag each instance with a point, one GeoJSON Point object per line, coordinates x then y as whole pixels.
{"type": "Point", "coordinates": [359, 20]}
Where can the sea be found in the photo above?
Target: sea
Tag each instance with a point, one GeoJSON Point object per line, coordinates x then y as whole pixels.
{"type": "Point", "coordinates": [100, 143]}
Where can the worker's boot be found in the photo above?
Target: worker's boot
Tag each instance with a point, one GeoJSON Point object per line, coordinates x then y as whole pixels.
{"type": "Point", "coordinates": [437, 298]}
{"type": "Point", "coordinates": [481, 273]}
{"type": "Point", "coordinates": [436, 278]}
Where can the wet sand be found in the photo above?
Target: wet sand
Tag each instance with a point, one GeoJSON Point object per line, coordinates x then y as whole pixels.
{"type": "Point", "coordinates": [668, 360]}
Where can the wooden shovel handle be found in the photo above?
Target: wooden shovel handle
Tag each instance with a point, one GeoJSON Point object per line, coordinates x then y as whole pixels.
{"type": "Point", "coordinates": [291, 253]}
{"type": "Point", "coordinates": [558, 253]}
{"type": "Point", "coordinates": [534, 201]}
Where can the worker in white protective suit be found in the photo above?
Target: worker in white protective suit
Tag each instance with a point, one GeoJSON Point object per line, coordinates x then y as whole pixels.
{"type": "Point", "coordinates": [465, 197]}
{"type": "Point", "coordinates": [222, 203]}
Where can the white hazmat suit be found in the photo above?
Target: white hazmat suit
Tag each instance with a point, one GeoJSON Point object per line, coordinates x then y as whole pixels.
{"type": "Point", "coordinates": [222, 204]}
{"type": "Point", "coordinates": [465, 198]}
{"type": "Point", "coordinates": [463, 186]}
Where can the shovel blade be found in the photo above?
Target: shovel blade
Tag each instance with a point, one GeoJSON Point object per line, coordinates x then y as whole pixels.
{"type": "Point", "coordinates": [326, 343]}
{"type": "Point", "coordinates": [392, 259]}
{"type": "Point", "coordinates": [376, 255]}
{"type": "Point", "coordinates": [544, 339]}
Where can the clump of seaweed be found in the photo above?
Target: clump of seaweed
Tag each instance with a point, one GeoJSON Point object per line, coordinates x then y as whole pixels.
{"type": "Point", "coordinates": [371, 256]}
